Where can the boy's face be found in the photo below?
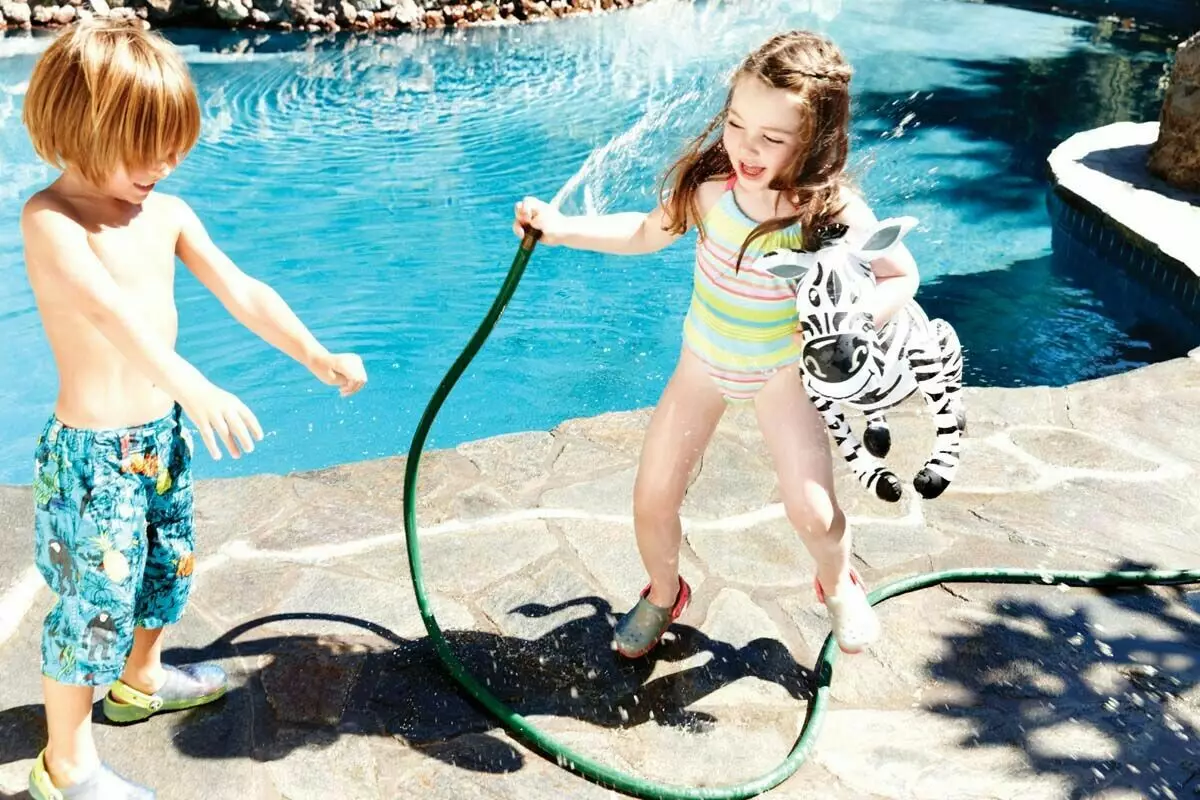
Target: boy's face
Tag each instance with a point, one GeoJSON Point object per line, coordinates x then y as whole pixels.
{"type": "Point", "coordinates": [133, 185]}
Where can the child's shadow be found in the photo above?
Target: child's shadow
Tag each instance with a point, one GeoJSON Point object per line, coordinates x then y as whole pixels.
{"type": "Point", "coordinates": [315, 690]}
{"type": "Point", "coordinates": [22, 736]}
{"type": "Point", "coordinates": [310, 691]}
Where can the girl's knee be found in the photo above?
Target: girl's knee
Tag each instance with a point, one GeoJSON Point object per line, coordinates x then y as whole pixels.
{"type": "Point", "coordinates": [818, 524]}
{"type": "Point", "coordinates": [655, 502]}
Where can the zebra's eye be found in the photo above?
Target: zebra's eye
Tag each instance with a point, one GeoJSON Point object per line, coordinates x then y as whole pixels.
{"type": "Point", "coordinates": [814, 297]}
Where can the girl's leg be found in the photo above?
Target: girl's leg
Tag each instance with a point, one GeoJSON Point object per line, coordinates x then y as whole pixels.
{"type": "Point", "coordinates": [798, 442]}
{"type": "Point", "coordinates": [679, 431]}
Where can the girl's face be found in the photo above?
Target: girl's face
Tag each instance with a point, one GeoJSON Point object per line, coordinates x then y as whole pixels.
{"type": "Point", "coordinates": [762, 131]}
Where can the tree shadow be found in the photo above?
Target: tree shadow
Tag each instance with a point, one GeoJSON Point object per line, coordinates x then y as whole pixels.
{"type": "Point", "coordinates": [1174, 16]}
{"type": "Point", "coordinates": [1015, 111]}
{"type": "Point", "coordinates": [1057, 319]}
{"type": "Point", "coordinates": [311, 690]}
{"type": "Point", "coordinates": [1092, 707]}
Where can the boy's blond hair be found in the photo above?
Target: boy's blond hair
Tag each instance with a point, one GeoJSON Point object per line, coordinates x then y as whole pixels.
{"type": "Point", "coordinates": [108, 94]}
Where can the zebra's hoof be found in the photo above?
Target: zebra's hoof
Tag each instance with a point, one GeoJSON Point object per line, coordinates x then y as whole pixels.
{"type": "Point", "coordinates": [888, 488]}
{"type": "Point", "coordinates": [929, 484]}
{"type": "Point", "coordinates": [877, 440]}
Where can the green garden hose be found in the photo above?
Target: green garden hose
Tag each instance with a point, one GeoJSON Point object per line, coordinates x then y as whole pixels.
{"type": "Point", "coordinates": [629, 784]}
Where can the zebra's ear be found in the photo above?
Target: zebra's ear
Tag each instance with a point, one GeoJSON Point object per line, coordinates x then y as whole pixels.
{"type": "Point", "coordinates": [786, 264]}
{"type": "Point", "coordinates": [886, 235]}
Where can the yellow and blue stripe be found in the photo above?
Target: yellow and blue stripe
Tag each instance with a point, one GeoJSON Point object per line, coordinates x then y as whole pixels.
{"type": "Point", "coordinates": [741, 320]}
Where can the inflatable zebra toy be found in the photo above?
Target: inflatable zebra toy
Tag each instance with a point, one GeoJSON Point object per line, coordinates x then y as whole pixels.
{"type": "Point", "coordinates": [846, 361]}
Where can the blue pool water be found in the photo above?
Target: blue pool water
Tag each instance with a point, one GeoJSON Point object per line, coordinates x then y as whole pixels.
{"type": "Point", "coordinates": [371, 181]}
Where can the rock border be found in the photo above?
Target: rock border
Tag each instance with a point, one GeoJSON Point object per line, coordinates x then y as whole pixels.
{"type": "Point", "coordinates": [1102, 174]}
{"type": "Point", "coordinates": [303, 15]}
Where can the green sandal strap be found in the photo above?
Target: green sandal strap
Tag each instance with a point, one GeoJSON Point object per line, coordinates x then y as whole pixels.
{"type": "Point", "coordinates": [124, 693]}
{"type": "Point", "coordinates": [40, 785]}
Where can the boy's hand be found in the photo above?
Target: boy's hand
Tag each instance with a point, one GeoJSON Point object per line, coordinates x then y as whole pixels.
{"type": "Point", "coordinates": [541, 216]}
{"type": "Point", "coordinates": [217, 414]}
{"type": "Point", "coordinates": [343, 370]}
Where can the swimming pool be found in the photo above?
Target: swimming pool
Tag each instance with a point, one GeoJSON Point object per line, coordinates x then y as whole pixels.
{"type": "Point", "coordinates": [372, 180]}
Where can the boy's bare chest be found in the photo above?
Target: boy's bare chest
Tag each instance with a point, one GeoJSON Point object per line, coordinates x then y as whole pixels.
{"type": "Point", "coordinates": [138, 256]}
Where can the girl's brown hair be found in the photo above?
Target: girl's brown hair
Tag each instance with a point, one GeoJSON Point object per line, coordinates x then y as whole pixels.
{"type": "Point", "coordinates": [814, 71]}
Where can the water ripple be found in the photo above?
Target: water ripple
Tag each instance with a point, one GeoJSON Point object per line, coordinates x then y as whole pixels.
{"type": "Point", "coordinates": [370, 180]}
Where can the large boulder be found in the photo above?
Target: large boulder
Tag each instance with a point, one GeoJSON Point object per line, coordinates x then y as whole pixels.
{"type": "Point", "coordinates": [16, 13]}
{"type": "Point", "coordinates": [1175, 157]}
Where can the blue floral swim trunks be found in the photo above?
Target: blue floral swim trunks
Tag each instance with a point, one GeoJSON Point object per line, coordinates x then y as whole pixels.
{"type": "Point", "coordinates": [114, 540]}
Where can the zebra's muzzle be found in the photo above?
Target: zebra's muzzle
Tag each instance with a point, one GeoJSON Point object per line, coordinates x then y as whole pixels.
{"type": "Point", "coordinates": [836, 359]}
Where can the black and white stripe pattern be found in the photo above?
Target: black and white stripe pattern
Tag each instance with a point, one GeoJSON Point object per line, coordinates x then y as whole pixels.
{"type": "Point", "coordinates": [846, 362]}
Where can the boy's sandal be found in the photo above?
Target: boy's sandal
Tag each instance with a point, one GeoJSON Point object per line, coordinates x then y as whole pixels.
{"type": "Point", "coordinates": [643, 626]}
{"type": "Point", "coordinates": [852, 619]}
{"type": "Point", "coordinates": [185, 687]}
{"type": "Point", "coordinates": [102, 784]}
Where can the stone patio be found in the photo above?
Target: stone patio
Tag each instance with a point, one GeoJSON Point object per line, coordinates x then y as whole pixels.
{"type": "Point", "coordinates": [976, 691]}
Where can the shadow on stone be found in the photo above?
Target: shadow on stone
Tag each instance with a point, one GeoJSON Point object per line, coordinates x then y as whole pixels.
{"type": "Point", "coordinates": [311, 690]}
{"type": "Point", "coordinates": [1095, 694]}
{"type": "Point", "coordinates": [22, 734]}
{"type": "Point", "coordinates": [1128, 164]}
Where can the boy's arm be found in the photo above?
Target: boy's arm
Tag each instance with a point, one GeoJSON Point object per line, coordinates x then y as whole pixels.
{"type": "Point", "coordinates": [259, 307]}
{"type": "Point", "coordinates": [58, 253]}
{"type": "Point", "coordinates": [896, 275]}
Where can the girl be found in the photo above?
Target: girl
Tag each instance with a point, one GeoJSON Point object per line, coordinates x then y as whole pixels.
{"type": "Point", "coordinates": [774, 173]}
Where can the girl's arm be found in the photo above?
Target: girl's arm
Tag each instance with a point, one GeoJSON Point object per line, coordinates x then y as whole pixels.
{"type": "Point", "coordinates": [896, 274]}
{"type": "Point", "coordinates": [627, 233]}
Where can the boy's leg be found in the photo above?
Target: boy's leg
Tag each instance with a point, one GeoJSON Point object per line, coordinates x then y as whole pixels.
{"type": "Point", "coordinates": [86, 515]}
{"type": "Point", "coordinates": [144, 669]}
{"type": "Point", "coordinates": [71, 752]}
{"type": "Point", "coordinates": [147, 685]}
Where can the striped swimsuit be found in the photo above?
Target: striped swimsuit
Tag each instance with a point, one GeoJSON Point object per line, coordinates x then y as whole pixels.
{"type": "Point", "coordinates": [740, 324]}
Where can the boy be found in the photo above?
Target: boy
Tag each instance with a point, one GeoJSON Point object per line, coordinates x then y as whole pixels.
{"type": "Point", "coordinates": [115, 108]}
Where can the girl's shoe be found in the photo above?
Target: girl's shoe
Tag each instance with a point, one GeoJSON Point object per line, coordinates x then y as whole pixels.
{"type": "Point", "coordinates": [853, 620]}
{"type": "Point", "coordinates": [186, 687]}
{"type": "Point", "coordinates": [102, 784]}
{"type": "Point", "coordinates": [641, 629]}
